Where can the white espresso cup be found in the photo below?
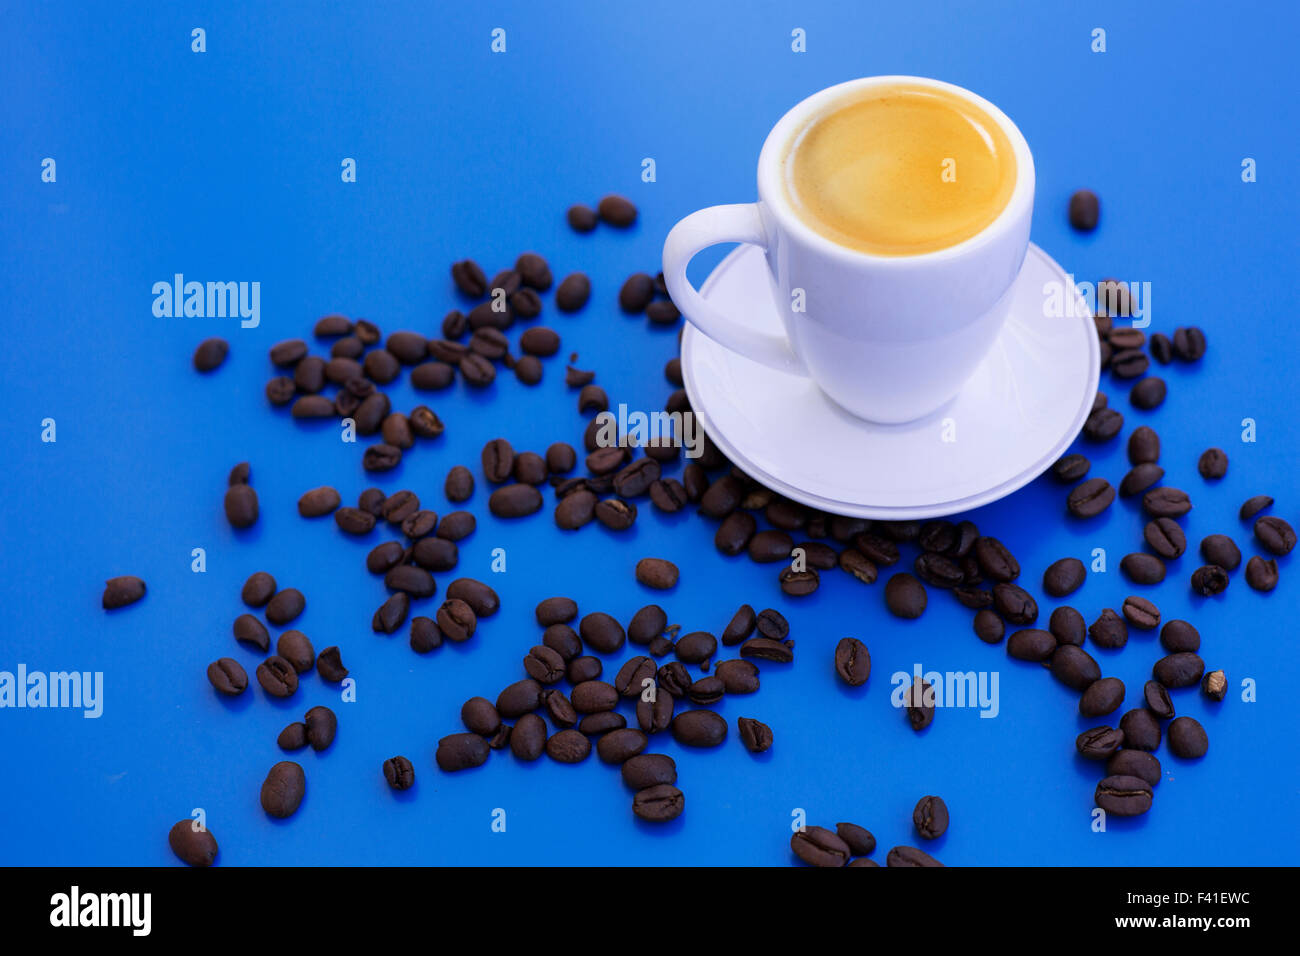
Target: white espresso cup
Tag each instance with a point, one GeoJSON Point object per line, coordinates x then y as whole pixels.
{"type": "Point", "coordinates": [889, 338]}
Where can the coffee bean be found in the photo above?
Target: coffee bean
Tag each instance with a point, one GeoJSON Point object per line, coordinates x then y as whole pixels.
{"type": "Point", "coordinates": [659, 803]}
{"type": "Point", "coordinates": [737, 676]}
{"type": "Point", "coordinates": [533, 271]}
{"type": "Point", "coordinates": [1090, 498]}
{"type": "Point", "coordinates": [1070, 469]}
{"type": "Point", "coordinates": [1141, 729]}
{"type": "Point", "coordinates": [767, 649]}
{"type": "Point", "coordinates": [601, 632]}
{"type": "Point", "coordinates": [309, 375]}
{"type": "Point", "coordinates": [1156, 698]}
{"type": "Point", "coordinates": [772, 623]}
{"type": "Point", "coordinates": [1187, 738]}
{"type": "Point", "coordinates": [480, 717]}
{"type": "Point", "coordinates": [459, 485]}
{"type": "Point", "coordinates": [1166, 503]}
{"type": "Point", "coordinates": [1101, 697]}
{"type": "Point", "coordinates": [318, 502]}
{"type": "Point", "coordinates": [1031, 644]}
{"type": "Point", "coordinates": [1139, 479]}
{"type": "Point", "coordinates": [380, 458]}
{"type": "Point", "coordinates": [905, 596]}
{"type": "Point", "coordinates": [241, 506]}
{"type": "Point", "coordinates": [329, 665]}
{"type": "Point", "coordinates": [192, 843]}
{"type": "Point", "coordinates": [1142, 568]}
{"type": "Point", "coordinates": [930, 817]}
{"type": "Point", "coordinates": [852, 661]}
{"type": "Point", "coordinates": [649, 770]}
{"type": "Point", "coordinates": [1134, 763]}
{"type": "Point", "coordinates": [1260, 574]}
{"type": "Point", "coordinates": [283, 789]}
{"type": "Point", "coordinates": [754, 734]}
{"type": "Point", "coordinates": [1165, 538]}
{"type": "Point", "coordinates": [1143, 446]}
{"type": "Point", "coordinates": [662, 312]}
{"type": "Point", "coordinates": [1109, 630]}
{"type": "Point", "coordinates": [249, 630]}
{"type": "Point", "coordinates": [1123, 796]}
{"type": "Point", "coordinates": [616, 514]}
{"type": "Point", "coordinates": [1178, 636]}
{"type": "Point", "coordinates": [420, 524]}
{"type": "Point", "coordinates": [425, 635]}
{"type": "Point", "coordinates": [295, 648]}
{"type": "Point", "coordinates": [1162, 350]}
{"type": "Point", "coordinates": [322, 725]}
{"type": "Point", "coordinates": [1221, 550]}
{"type": "Point", "coordinates": [699, 728]}
{"type": "Point", "coordinates": [556, 610]}
{"type": "Point", "coordinates": [636, 294]}
{"type": "Point", "coordinates": [620, 745]}
{"type": "Point", "coordinates": [1179, 670]}
{"type": "Point", "coordinates": [469, 278]}
{"type": "Point", "coordinates": [391, 614]}
{"type": "Point", "coordinates": [227, 675]}
{"type": "Point", "coordinates": [1129, 363]}
{"type": "Point", "coordinates": [909, 856]}
{"type": "Point", "coordinates": [997, 563]}
{"type": "Point", "coordinates": [515, 501]}
{"type": "Point", "coordinates": [481, 598]}
{"type": "Point", "coordinates": [735, 533]}
{"type": "Point", "coordinates": [937, 570]}
{"type": "Point", "coordinates": [348, 347]}
{"type": "Point", "coordinates": [568, 746]}
{"type": "Point", "coordinates": [1015, 604]}
{"type": "Point", "coordinates": [370, 414]}
{"type": "Point", "coordinates": [1085, 209]}
{"type": "Point", "coordinates": [124, 590]}
{"type": "Point", "coordinates": [463, 751]}
{"type": "Point", "coordinates": [635, 479]}
{"type": "Point", "coordinates": [1099, 742]}
{"type": "Point", "coordinates": [399, 773]}
{"type": "Point", "coordinates": [528, 737]}
{"type": "Point", "coordinates": [564, 641]}
{"type": "Point", "coordinates": [1067, 626]}
{"type": "Point", "coordinates": [1274, 535]}
{"type": "Point", "coordinates": [447, 351]}
{"type": "Point", "coordinates": [1213, 464]}
{"type": "Point", "coordinates": [457, 621]}
{"type": "Point", "coordinates": [674, 678]}
{"type": "Point", "coordinates": [617, 211]}
{"type": "Point", "coordinates": [1074, 667]}
{"type": "Point", "coordinates": [988, 626]}
{"type": "Point", "coordinates": [354, 520]}
{"type": "Point", "coordinates": [1123, 337]}
{"type": "Point", "coordinates": [1253, 506]}
{"type": "Point", "coordinates": [1105, 423]}
{"type": "Point", "coordinates": [288, 353]}
{"type": "Point", "coordinates": [740, 627]}
{"type": "Point", "coordinates": [1215, 685]}
{"type": "Point", "coordinates": [576, 378]}
{"type": "Point", "coordinates": [1209, 580]}
{"type": "Point", "coordinates": [1064, 577]}
{"type": "Point", "coordinates": [281, 390]}
{"type": "Point", "coordinates": [919, 702]}
{"type": "Point", "coordinates": [858, 565]}
{"type": "Point", "coordinates": [696, 647]}
{"type": "Point", "coordinates": [1189, 344]}
{"type": "Point", "coordinates": [1141, 613]}
{"type": "Point", "coordinates": [573, 293]}
{"type": "Point", "coordinates": [210, 354]}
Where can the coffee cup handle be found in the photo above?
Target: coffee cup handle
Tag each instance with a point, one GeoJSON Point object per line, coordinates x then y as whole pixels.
{"type": "Point", "coordinates": [738, 222]}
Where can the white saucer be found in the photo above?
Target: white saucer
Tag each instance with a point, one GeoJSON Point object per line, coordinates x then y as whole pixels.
{"type": "Point", "coordinates": [1016, 415]}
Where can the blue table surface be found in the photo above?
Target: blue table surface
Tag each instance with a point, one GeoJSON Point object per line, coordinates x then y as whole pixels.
{"type": "Point", "coordinates": [225, 165]}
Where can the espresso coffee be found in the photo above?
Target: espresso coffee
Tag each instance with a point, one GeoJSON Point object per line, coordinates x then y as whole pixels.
{"type": "Point", "coordinates": [900, 170]}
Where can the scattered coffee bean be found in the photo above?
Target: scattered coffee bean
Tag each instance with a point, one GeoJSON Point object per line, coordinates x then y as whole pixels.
{"type": "Point", "coordinates": [1015, 603]}
{"type": "Point", "coordinates": [1275, 535]}
{"type": "Point", "coordinates": [1102, 697]}
{"type": "Point", "coordinates": [909, 856]}
{"type": "Point", "coordinates": [227, 675]}
{"type": "Point", "coordinates": [1085, 209]}
{"type": "Point", "coordinates": [469, 278]}
{"type": "Point", "coordinates": [482, 599]}
{"type": "Point", "coordinates": [1090, 498]}
{"type": "Point", "coordinates": [754, 734]}
{"type": "Point", "coordinates": [919, 703]}
{"type": "Point", "coordinates": [1141, 729]}
{"type": "Point", "coordinates": [121, 591]}
{"type": "Point", "coordinates": [1215, 685]}
{"type": "Point", "coordinates": [1179, 670]}
{"type": "Point", "coordinates": [1123, 796]}
{"type": "Point", "coordinates": [318, 502]}
{"type": "Point", "coordinates": [1189, 344]}
{"type": "Point", "coordinates": [1253, 506]}
{"type": "Point", "coordinates": [463, 751]}
{"type": "Point", "coordinates": [1157, 700]}
{"type": "Point", "coordinates": [1074, 667]}
{"type": "Point", "coordinates": [568, 746]}
{"type": "Point", "coordinates": [905, 596]}
{"type": "Point", "coordinates": [572, 293]}
{"type": "Point", "coordinates": [1143, 446]}
{"type": "Point", "coordinates": [1067, 626]}
{"type": "Point", "coordinates": [1166, 502]}
{"type": "Point", "coordinates": [399, 773]}
{"type": "Point", "coordinates": [210, 354]}
{"type": "Point", "coordinates": [1142, 568]}
{"type": "Point", "coordinates": [1141, 613]}
{"type": "Point", "coordinates": [1221, 550]}
{"type": "Point", "coordinates": [1064, 577]}
{"type": "Point", "coordinates": [1187, 738]}
{"type": "Point", "coordinates": [1209, 580]}
{"type": "Point", "coordinates": [699, 728]}
{"type": "Point", "coordinates": [852, 661]}
{"type": "Point", "coordinates": [930, 817]}
{"type": "Point", "coordinates": [1099, 742]}
{"type": "Point", "coordinates": [616, 211]}
{"type": "Point", "coordinates": [1213, 464]}
{"type": "Point", "coordinates": [241, 506]}
{"type": "Point", "coordinates": [1139, 479]}
{"type": "Point", "coordinates": [1031, 644]}
{"type": "Point", "coordinates": [1134, 763]}
{"type": "Point", "coordinates": [1260, 574]}
{"type": "Point", "coordinates": [1105, 423]}
{"type": "Point", "coordinates": [1070, 469]}
{"type": "Point", "coordinates": [1109, 630]}
{"type": "Point", "coordinates": [988, 626]}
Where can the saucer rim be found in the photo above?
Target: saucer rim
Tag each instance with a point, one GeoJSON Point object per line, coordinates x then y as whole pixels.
{"type": "Point", "coordinates": [933, 509]}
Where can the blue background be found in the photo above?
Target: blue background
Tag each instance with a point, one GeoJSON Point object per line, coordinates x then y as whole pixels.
{"type": "Point", "coordinates": [225, 166]}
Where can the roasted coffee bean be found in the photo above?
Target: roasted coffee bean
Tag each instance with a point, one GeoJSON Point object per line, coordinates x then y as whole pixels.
{"type": "Point", "coordinates": [930, 817]}
{"type": "Point", "coordinates": [575, 510]}
{"type": "Point", "coordinates": [1143, 446]}
{"type": "Point", "coordinates": [1067, 626]}
{"type": "Point", "coordinates": [1031, 644]}
{"type": "Point", "coordinates": [859, 565]}
{"type": "Point", "coordinates": [1253, 506]}
{"type": "Point", "coordinates": [463, 751]}
{"type": "Point", "coordinates": [1165, 538]}
{"type": "Point", "coordinates": [1209, 580]}
{"type": "Point", "coordinates": [997, 563]}
{"type": "Point", "coordinates": [937, 536]}
{"type": "Point", "coordinates": [601, 632]}
{"type": "Point", "coordinates": [1178, 636]}
{"type": "Point", "coordinates": [480, 716]}
{"type": "Point", "coordinates": [674, 678]}
{"type": "Point", "coordinates": [1162, 350]}
{"type": "Point", "coordinates": [1166, 502]}
{"type": "Point", "coordinates": [594, 696]}
{"type": "Point", "coordinates": [668, 495]}
{"type": "Point", "coordinates": [739, 676]}
{"type": "Point", "coordinates": [988, 626]}
{"type": "Point", "coordinates": [489, 343]}
{"type": "Point", "coordinates": [533, 271]}
{"type": "Point", "coordinates": [1213, 464]}
{"type": "Point", "coordinates": [126, 589]}
{"type": "Point", "coordinates": [696, 647]}
{"type": "Point", "coordinates": [620, 745]}
{"type": "Point", "coordinates": [1179, 670]}
{"type": "Point", "coordinates": [412, 580]}
{"type": "Point", "coordinates": [281, 390]}
{"type": "Point", "coordinates": [469, 278]}
{"type": "Point", "coordinates": [740, 627]}
{"type": "Point", "coordinates": [820, 557]}
{"type": "Point", "coordinates": [767, 649]}
{"type": "Point", "coordinates": [919, 703]}
{"type": "Point", "coordinates": [1221, 550]}
{"type": "Point", "coordinates": [283, 789]}
{"type": "Point", "coordinates": [477, 371]}
{"type": "Point", "coordinates": [459, 485]}
{"type": "Point", "coordinates": [636, 294]}
{"type": "Point", "coordinates": [515, 501]}
{"type": "Point", "coordinates": [354, 520]}
{"type": "Point", "coordinates": [633, 675]}
{"type": "Point", "coordinates": [483, 601]}
{"type": "Point", "coordinates": [309, 375]}
{"type": "Point", "coordinates": [288, 353]}
{"type": "Point", "coordinates": [192, 843]}
{"type": "Point", "coordinates": [399, 773]}
{"type": "Point", "coordinates": [576, 378]}
{"type": "Point", "coordinates": [318, 502]}
{"type": "Point", "coordinates": [295, 648]}
{"type": "Point", "coordinates": [564, 641]}
{"type": "Point", "coordinates": [1187, 738]}
{"type": "Point", "coordinates": [227, 675]}
{"type": "Point", "coordinates": [559, 708]}
{"type": "Point", "coordinates": [519, 698]}
{"type": "Point", "coordinates": [937, 570]}
{"type": "Point", "coordinates": [425, 635]}
{"type": "Point", "coordinates": [1129, 363]}
{"type": "Point", "coordinates": [573, 292]}
{"type": "Point", "coordinates": [249, 630]}
{"type": "Point", "coordinates": [443, 350]}
{"type": "Point", "coordinates": [391, 614]}
{"type": "Point", "coordinates": [766, 547]}
{"type": "Point", "coordinates": [210, 354]}
{"type": "Point", "coordinates": [1015, 603]}
{"type": "Point", "coordinates": [1070, 469]}
{"type": "Point", "coordinates": [454, 324]}
{"type": "Point", "coordinates": [1109, 630]}
{"type": "Point", "coordinates": [372, 501]}
{"type": "Point", "coordinates": [909, 856]}
{"type": "Point", "coordinates": [635, 478]}
{"type": "Point", "coordinates": [656, 716]}
{"type": "Point", "coordinates": [1123, 796]}
{"type": "Point", "coordinates": [647, 624]}
{"type": "Point", "coordinates": [735, 533]}
{"type": "Point", "coordinates": [1142, 568]}
{"type": "Point", "coordinates": [1074, 667]}
{"type": "Point", "coordinates": [528, 737]}
{"type": "Point", "coordinates": [340, 370]}
{"type": "Point", "coordinates": [1124, 337]}
{"type": "Point", "coordinates": [241, 506]}
{"type": "Point", "coordinates": [1141, 729]}
{"type": "Point", "coordinates": [649, 770]}
{"type": "Point", "coordinates": [329, 665]}
{"type": "Point", "coordinates": [583, 668]}
{"type": "Point", "coordinates": [322, 725]}
{"type": "Point", "coordinates": [1085, 209]}
{"type": "Point", "coordinates": [399, 506]}
{"type": "Point", "coordinates": [1156, 698]}
{"type": "Point", "coordinates": [420, 524]}
{"type": "Point", "coordinates": [1105, 423]}
{"type": "Point", "coordinates": [380, 458]}
{"type": "Point", "coordinates": [1099, 742]}
{"type": "Point", "coordinates": [699, 728]}
{"type": "Point", "coordinates": [977, 599]}
{"type": "Point", "coordinates": [349, 347]}
{"type": "Point", "coordinates": [1141, 613]}
{"type": "Point", "coordinates": [905, 596]}
{"type": "Point", "coordinates": [556, 610]}
{"type": "Point", "coordinates": [381, 366]}
{"type": "Point", "coordinates": [754, 734]}
{"type": "Point", "coordinates": [852, 661]}
{"type": "Point", "coordinates": [616, 514]}
{"type": "Point", "coordinates": [1214, 685]}
{"type": "Point", "coordinates": [528, 369]}
{"type": "Point", "coordinates": [1101, 697]}
{"type": "Point", "coordinates": [1139, 479]}
{"type": "Point", "coordinates": [1274, 535]}
{"type": "Point", "coordinates": [1090, 498]}
{"type": "Point", "coordinates": [1189, 344]}
{"type": "Point", "coordinates": [1260, 574]}
{"type": "Point", "coordinates": [616, 211]}
{"type": "Point", "coordinates": [457, 621]}
{"type": "Point", "coordinates": [772, 623]}
{"type": "Point", "coordinates": [659, 803]}
{"type": "Point", "coordinates": [1064, 577]}
{"type": "Point", "coordinates": [370, 414]}
{"type": "Point", "coordinates": [722, 497]}
{"type": "Point", "coordinates": [606, 461]}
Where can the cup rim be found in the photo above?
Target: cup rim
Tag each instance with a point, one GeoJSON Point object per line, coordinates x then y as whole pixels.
{"type": "Point", "coordinates": [771, 188]}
